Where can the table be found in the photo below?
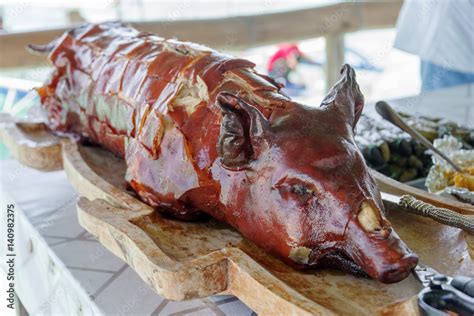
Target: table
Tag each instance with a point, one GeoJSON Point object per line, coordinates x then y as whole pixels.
{"type": "Point", "coordinates": [63, 270]}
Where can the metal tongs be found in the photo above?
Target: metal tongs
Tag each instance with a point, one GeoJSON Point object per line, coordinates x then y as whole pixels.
{"type": "Point", "coordinates": [443, 294]}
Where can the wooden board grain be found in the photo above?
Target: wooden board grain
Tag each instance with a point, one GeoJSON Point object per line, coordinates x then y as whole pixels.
{"type": "Point", "coordinates": [182, 260]}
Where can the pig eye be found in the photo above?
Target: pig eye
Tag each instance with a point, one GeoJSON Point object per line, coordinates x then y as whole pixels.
{"type": "Point", "coordinates": [292, 189]}
{"type": "Point", "coordinates": [302, 191]}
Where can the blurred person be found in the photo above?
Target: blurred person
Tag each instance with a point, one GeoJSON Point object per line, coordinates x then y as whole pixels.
{"type": "Point", "coordinates": [441, 33]}
{"type": "Point", "coordinates": [284, 62]}
{"type": "Point", "coordinates": [75, 17]}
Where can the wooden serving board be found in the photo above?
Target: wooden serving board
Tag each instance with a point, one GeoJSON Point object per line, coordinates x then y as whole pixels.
{"type": "Point", "coordinates": [182, 260]}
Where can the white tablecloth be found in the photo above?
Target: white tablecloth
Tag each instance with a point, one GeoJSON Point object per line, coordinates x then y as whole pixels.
{"type": "Point", "coordinates": [62, 270]}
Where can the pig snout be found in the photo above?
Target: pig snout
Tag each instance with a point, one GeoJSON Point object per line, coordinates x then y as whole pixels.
{"type": "Point", "coordinates": [375, 247]}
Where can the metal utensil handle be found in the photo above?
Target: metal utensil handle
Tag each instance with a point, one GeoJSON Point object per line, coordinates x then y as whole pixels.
{"type": "Point", "coordinates": [464, 284]}
{"type": "Point", "coordinates": [441, 215]}
{"type": "Point", "coordinates": [390, 115]}
{"type": "Point", "coordinates": [435, 302]}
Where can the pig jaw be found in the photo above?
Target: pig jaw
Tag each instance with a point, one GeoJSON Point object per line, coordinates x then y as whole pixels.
{"type": "Point", "coordinates": [369, 247]}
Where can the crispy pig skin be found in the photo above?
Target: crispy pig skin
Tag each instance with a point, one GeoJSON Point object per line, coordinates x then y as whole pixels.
{"type": "Point", "coordinates": [203, 132]}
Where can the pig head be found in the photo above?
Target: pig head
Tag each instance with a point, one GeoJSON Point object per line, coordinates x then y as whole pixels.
{"type": "Point", "coordinates": [298, 185]}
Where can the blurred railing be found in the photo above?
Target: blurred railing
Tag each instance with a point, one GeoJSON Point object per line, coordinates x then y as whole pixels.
{"type": "Point", "coordinates": [242, 32]}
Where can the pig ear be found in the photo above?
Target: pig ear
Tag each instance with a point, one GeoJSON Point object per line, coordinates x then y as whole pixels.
{"type": "Point", "coordinates": [345, 97]}
{"type": "Point", "coordinates": [242, 131]}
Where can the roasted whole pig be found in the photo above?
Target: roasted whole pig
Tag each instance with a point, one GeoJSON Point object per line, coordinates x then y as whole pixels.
{"type": "Point", "coordinates": [203, 132]}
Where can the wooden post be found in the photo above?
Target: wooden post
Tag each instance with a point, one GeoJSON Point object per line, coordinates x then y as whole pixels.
{"type": "Point", "coordinates": [334, 58]}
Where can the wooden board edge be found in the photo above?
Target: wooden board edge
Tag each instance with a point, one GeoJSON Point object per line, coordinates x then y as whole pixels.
{"type": "Point", "coordinates": [264, 293]}
{"type": "Point", "coordinates": [44, 157]}
{"type": "Point", "coordinates": [405, 307]}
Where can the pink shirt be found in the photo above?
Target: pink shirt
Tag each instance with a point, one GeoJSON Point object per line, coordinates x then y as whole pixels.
{"type": "Point", "coordinates": [284, 51]}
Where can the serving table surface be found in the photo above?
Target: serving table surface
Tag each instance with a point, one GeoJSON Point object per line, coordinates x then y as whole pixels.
{"type": "Point", "coordinates": [62, 270]}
